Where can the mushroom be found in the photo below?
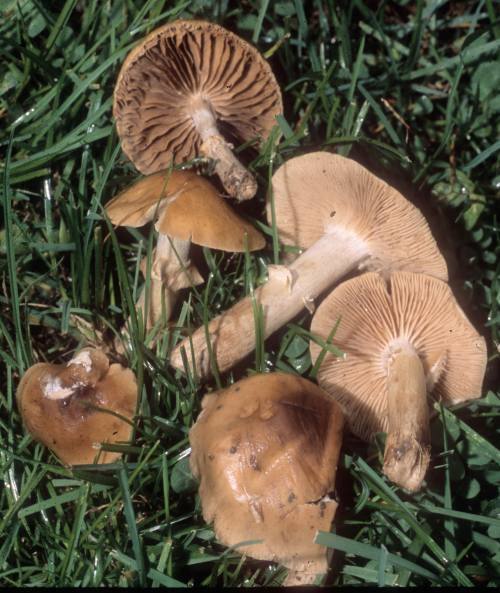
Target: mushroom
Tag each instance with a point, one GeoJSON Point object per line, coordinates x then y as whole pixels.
{"type": "Point", "coordinates": [265, 451]}
{"type": "Point", "coordinates": [187, 208]}
{"type": "Point", "coordinates": [186, 85]}
{"type": "Point", "coordinates": [400, 338]}
{"type": "Point", "coordinates": [348, 220]}
{"type": "Point", "coordinates": [73, 408]}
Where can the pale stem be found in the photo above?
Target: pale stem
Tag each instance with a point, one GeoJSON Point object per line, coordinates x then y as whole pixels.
{"type": "Point", "coordinates": [237, 181]}
{"type": "Point", "coordinates": [407, 448]}
{"type": "Point", "coordinates": [171, 257]}
{"type": "Point", "coordinates": [170, 271]}
{"type": "Point", "coordinates": [288, 290]}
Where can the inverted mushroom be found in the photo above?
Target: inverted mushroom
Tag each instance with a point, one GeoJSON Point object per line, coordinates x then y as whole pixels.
{"type": "Point", "coordinates": [348, 220]}
{"type": "Point", "coordinates": [187, 209]}
{"type": "Point", "coordinates": [400, 338]}
{"type": "Point", "coordinates": [186, 86]}
{"type": "Point", "coordinates": [72, 409]}
{"type": "Point", "coordinates": [265, 451]}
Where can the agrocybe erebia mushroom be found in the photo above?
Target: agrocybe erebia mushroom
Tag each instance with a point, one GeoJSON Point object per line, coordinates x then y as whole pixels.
{"type": "Point", "coordinates": [348, 220]}
{"type": "Point", "coordinates": [186, 86]}
{"type": "Point", "coordinates": [75, 407]}
{"type": "Point", "coordinates": [265, 451]}
{"type": "Point", "coordinates": [187, 209]}
{"type": "Point", "coordinates": [401, 338]}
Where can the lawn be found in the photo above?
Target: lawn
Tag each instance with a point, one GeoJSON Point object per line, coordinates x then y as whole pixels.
{"type": "Point", "coordinates": [410, 90]}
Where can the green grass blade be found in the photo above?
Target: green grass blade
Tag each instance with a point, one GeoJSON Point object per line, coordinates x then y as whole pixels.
{"type": "Point", "coordinates": [350, 546]}
{"type": "Point", "coordinates": [128, 509]}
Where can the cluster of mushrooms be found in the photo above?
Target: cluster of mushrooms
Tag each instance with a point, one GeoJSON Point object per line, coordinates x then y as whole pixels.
{"type": "Point", "coordinates": [266, 448]}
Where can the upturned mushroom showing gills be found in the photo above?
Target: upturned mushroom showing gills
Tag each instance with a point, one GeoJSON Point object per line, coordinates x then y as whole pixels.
{"type": "Point", "coordinates": [401, 338]}
{"type": "Point", "coordinates": [265, 452]}
{"type": "Point", "coordinates": [348, 220]}
{"type": "Point", "coordinates": [187, 86]}
{"type": "Point", "coordinates": [73, 408]}
{"type": "Point", "coordinates": [187, 209]}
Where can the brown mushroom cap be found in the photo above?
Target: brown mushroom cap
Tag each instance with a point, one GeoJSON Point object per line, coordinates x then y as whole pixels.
{"type": "Point", "coordinates": [320, 192]}
{"type": "Point", "coordinates": [138, 204]}
{"type": "Point", "coordinates": [170, 72]}
{"type": "Point", "coordinates": [265, 451]}
{"type": "Point", "coordinates": [188, 207]}
{"type": "Point", "coordinates": [57, 405]}
{"type": "Point", "coordinates": [376, 318]}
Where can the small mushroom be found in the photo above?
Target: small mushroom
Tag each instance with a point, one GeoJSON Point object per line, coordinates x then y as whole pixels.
{"type": "Point", "coordinates": [72, 409]}
{"type": "Point", "coordinates": [186, 86]}
{"type": "Point", "coordinates": [265, 451]}
{"type": "Point", "coordinates": [187, 209]}
{"type": "Point", "coordinates": [401, 338]}
{"type": "Point", "coordinates": [347, 220]}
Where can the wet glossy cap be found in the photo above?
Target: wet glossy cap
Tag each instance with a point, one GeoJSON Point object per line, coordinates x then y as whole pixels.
{"type": "Point", "coordinates": [66, 407]}
{"type": "Point", "coordinates": [265, 451]}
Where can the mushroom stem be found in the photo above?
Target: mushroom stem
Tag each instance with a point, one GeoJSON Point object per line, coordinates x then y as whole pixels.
{"type": "Point", "coordinates": [407, 448]}
{"type": "Point", "coordinates": [287, 291]}
{"type": "Point", "coordinates": [171, 271]}
{"type": "Point", "coordinates": [171, 257]}
{"type": "Point", "coordinates": [237, 181]}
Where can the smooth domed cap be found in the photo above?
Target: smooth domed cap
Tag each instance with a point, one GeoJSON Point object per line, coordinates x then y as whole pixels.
{"type": "Point", "coordinates": [205, 218]}
{"type": "Point", "coordinates": [58, 406]}
{"type": "Point", "coordinates": [375, 317]}
{"type": "Point", "coordinates": [173, 68]}
{"type": "Point", "coordinates": [139, 203]}
{"type": "Point", "coordinates": [320, 192]}
{"type": "Point", "coordinates": [265, 451]}
{"type": "Point", "coordinates": [187, 207]}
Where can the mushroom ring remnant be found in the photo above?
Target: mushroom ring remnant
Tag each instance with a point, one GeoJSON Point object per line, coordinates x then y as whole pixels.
{"type": "Point", "coordinates": [400, 339]}
{"type": "Point", "coordinates": [265, 451]}
{"type": "Point", "coordinates": [73, 408]}
{"type": "Point", "coordinates": [187, 209]}
{"type": "Point", "coordinates": [186, 85]}
{"type": "Point", "coordinates": [347, 220]}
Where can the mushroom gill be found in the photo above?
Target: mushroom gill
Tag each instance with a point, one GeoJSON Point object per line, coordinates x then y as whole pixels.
{"type": "Point", "coordinates": [189, 89]}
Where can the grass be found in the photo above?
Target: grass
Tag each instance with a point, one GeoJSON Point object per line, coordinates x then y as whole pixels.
{"type": "Point", "coordinates": [407, 88]}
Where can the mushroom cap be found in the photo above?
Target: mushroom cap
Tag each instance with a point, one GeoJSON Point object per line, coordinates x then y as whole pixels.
{"type": "Point", "coordinates": [170, 72]}
{"type": "Point", "coordinates": [142, 201]}
{"type": "Point", "coordinates": [377, 317]}
{"type": "Point", "coordinates": [265, 451]}
{"type": "Point", "coordinates": [187, 207]}
{"type": "Point", "coordinates": [322, 192]}
{"type": "Point", "coordinates": [54, 401]}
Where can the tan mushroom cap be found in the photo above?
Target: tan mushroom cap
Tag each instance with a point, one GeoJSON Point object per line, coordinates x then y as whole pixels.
{"type": "Point", "coordinates": [177, 66]}
{"type": "Point", "coordinates": [265, 451]}
{"type": "Point", "coordinates": [322, 192]}
{"type": "Point", "coordinates": [188, 207]}
{"type": "Point", "coordinates": [377, 317]}
{"type": "Point", "coordinates": [138, 204]}
{"type": "Point", "coordinates": [57, 406]}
